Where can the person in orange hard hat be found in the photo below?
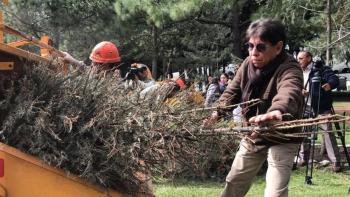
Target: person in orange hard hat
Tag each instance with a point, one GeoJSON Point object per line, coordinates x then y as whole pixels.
{"type": "Point", "coordinates": [104, 57]}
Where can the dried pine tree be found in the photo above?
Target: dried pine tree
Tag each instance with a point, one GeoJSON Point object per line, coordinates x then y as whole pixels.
{"type": "Point", "coordinates": [95, 128]}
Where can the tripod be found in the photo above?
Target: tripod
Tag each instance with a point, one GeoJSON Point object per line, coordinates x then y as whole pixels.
{"type": "Point", "coordinates": [341, 136]}
{"type": "Point", "coordinates": [315, 92]}
{"type": "Point", "coordinates": [312, 111]}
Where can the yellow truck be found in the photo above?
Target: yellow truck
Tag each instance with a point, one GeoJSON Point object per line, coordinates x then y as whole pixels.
{"type": "Point", "coordinates": [22, 175]}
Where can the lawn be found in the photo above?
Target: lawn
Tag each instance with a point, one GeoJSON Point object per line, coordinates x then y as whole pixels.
{"type": "Point", "coordinates": [341, 103]}
{"type": "Point", "coordinates": [325, 184]}
{"type": "Point", "coordinates": [347, 134]}
{"type": "Point", "coordinates": [347, 127]}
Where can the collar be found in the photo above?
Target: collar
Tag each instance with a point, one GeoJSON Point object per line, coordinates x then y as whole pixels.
{"type": "Point", "coordinates": [308, 67]}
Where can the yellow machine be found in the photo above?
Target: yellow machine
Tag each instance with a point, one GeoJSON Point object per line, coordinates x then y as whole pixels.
{"type": "Point", "coordinates": [22, 175]}
{"type": "Point", "coordinates": [12, 57]}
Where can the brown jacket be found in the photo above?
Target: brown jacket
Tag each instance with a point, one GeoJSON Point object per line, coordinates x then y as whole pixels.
{"type": "Point", "coordinates": [282, 92]}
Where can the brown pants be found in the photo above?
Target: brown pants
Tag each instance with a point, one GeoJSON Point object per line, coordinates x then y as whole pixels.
{"type": "Point", "coordinates": [247, 164]}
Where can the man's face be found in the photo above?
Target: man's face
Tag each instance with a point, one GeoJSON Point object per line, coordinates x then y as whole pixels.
{"type": "Point", "coordinates": [304, 59]}
{"type": "Point", "coordinates": [97, 67]}
{"type": "Point", "coordinates": [262, 52]}
{"type": "Point", "coordinates": [142, 75]}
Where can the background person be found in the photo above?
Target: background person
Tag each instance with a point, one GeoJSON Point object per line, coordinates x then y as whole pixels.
{"type": "Point", "coordinates": [223, 82]}
{"type": "Point", "coordinates": [231, 75]}
{"type": "Point", "coordinates": [329, 81]}
{"type": "Point", "coordinates": [213, 92]}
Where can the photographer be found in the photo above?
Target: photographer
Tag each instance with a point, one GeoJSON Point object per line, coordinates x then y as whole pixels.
{"type": "Point", "coordinates": [328, 82]}
{"type": "Point", "coordinates": [139, 76]}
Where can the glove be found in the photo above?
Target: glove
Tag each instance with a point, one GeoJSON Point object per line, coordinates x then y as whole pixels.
{"type": "Point", "coordinates": [71, 60]}
{"type": "Point", "coordinates": [68, 58]}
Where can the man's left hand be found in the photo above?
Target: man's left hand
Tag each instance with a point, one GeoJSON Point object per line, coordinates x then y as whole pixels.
{"type": "Point", "coordinates": [273, 115]}
{"type": "Point", "coordinates": [326, 87]}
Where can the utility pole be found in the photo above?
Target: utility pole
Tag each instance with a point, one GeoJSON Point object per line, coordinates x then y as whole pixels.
{"type": "Point", "coordinates": [155, 32]}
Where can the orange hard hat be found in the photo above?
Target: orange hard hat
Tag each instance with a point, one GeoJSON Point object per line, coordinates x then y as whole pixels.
{"type": "Point", "coordinates": [105, 52]}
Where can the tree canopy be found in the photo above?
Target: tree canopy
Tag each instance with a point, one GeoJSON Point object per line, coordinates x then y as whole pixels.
{"type": "Point", "coordinates": [172, 35]}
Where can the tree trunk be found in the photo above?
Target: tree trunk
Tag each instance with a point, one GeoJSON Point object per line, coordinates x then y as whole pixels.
{"type": "Point", "coordinates": [56, 37]}
{"type": "Point", "coordinates": [329, 32]}
{"type": "Point", "coordinates": [155, 51]}
{"type": "Point", "coordinates": [235, 30]}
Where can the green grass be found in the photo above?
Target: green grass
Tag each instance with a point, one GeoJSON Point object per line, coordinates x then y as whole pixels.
{"type": "Point", "coordinates": [347, 125]}
{"type": "Point", "coordinates": [341, 103]}
{"type": "Point", "coordinates": [325, 184]}
{"type": "Point", "coordinates": [347, 134]}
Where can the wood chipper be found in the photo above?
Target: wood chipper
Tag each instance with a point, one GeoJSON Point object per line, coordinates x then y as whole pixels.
{"type": "Point", "coordinates": [22, 174]}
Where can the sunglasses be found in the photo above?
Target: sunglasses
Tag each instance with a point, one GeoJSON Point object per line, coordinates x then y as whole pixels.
{"type": "Point", "coordinates": [259, 47]}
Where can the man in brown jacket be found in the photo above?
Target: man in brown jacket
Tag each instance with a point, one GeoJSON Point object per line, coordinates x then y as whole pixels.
{"type": "Point", "coordinates": [274, 77]}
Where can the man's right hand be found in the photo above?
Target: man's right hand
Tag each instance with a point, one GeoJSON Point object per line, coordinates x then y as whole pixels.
{"type": "Point", "coordinates": [212, 119]}
{"type": "Point", "coordinates": [68, 58]}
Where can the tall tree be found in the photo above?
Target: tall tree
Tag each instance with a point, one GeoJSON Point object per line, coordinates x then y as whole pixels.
{"type": "Point", "coordinates": [157, 14]}
{"type": "Point", "coordinates": [206, 32]}
{"type": "Point", "coordinates": [76, 25]}
{"type": "Point", "coordinates": [307, 23]}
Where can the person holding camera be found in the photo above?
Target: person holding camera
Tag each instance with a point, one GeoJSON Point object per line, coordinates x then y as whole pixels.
{"type": "Point", "coordinates": [274, 77]}
{"type": "Point", "coordinates": [139, 76]}
{"type": "Point", "coordinates": [329, 81]}
{"type": "Point", "coordinates": [104, 57]}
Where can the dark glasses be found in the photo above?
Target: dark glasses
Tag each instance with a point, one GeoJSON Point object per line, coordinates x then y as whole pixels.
{"type": "Point", "coordinates": [259, 47]}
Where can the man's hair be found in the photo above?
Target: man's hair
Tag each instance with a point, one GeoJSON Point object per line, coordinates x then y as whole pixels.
{"type": "Point", "coordinates": [267, 29]}
{"type": "Point", "coordinates": [308, 54]}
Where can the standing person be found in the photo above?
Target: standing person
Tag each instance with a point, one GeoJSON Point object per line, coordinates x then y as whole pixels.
{"type": "Point", "coordinates": [329, 81]}
{"type": "Point", "coordinates": [104, 57]}
{"type": "Point", "coordinates": [213, 92]}
{"type": "Point", "coordinates": [208, 82]}
{"type": "Point", "coordinates": [273, 76]}
{"type": "Point", "coordinates": [223, 82]}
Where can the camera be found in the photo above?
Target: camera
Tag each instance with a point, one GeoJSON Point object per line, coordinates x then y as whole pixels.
{"type": "Point", "coordinates": [132, 72]}
{"type": "Point", "coordinates": [318, 64]}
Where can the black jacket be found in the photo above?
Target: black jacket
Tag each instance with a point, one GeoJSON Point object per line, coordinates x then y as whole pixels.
{"type": "Point", "coordinates": [321, 100]}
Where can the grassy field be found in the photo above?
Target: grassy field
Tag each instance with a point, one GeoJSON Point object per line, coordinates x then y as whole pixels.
{"type": "Point", "coordinates": [325, 184]}
{"type": "Point", "coordinates": [347, 127]}
{"type": "Point", "coordinates": [341, 103]}
{"type": "Point", "coordinates": [347, 134]}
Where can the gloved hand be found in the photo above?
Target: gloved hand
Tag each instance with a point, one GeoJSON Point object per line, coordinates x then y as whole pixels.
{"type": "Point", "coordinates": [68, 58]}
{"type": "Point", "coordinates": [71, 60]}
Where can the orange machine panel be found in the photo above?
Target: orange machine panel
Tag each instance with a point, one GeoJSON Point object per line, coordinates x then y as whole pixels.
{"type": "Point", "coordinates": [24, 175]}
